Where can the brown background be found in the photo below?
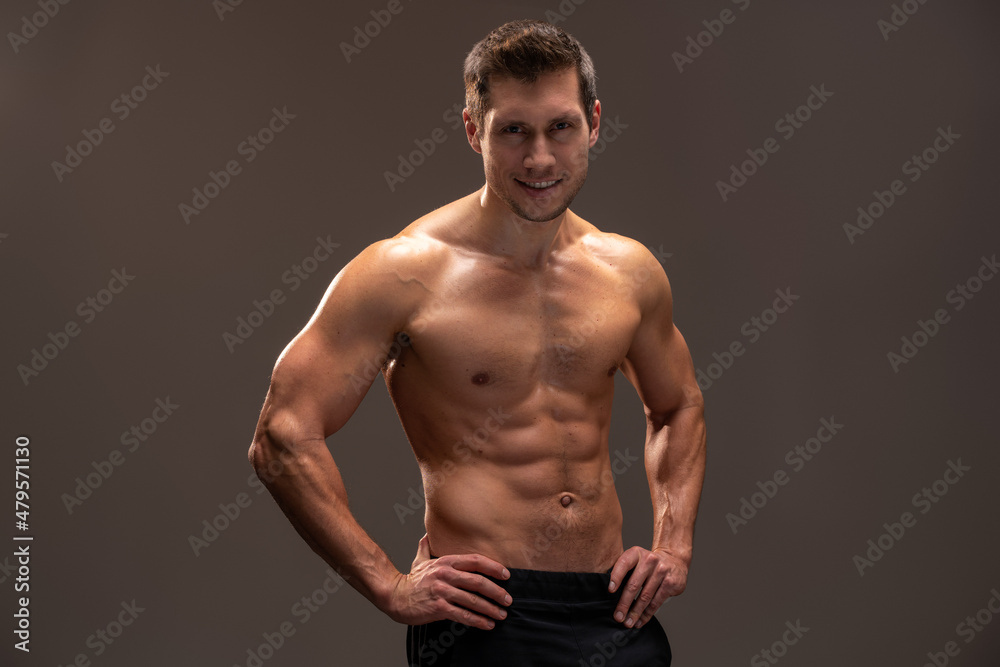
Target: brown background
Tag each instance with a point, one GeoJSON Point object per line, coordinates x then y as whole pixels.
{"type": "Point", "coordinates": [323, 176]}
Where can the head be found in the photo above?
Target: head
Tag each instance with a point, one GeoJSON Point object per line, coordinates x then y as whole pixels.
{"type": "Point", "coordinates": [532, 112]}
{"type": "Point", "coordinates": [522, 50]}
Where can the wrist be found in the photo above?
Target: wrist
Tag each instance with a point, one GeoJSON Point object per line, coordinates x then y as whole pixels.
{"type": "Point", "coordinates": [681, 553]}
{"type": "Point", "coordinates": [384, 596]}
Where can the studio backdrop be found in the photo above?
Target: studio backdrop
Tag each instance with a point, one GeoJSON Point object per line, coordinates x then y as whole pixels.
{"type": "Point", "coordinates": [182, 180]}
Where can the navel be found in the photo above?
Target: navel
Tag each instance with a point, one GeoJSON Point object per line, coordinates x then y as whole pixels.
{"type": "Point", "coordinates": [566, 500]}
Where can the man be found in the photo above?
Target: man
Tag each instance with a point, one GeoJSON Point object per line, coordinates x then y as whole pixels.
{"type": "Point", "coordinates": [499, 322]}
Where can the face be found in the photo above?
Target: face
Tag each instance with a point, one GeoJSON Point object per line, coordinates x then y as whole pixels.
{"type": "Point", "coordinates": [535, 143]}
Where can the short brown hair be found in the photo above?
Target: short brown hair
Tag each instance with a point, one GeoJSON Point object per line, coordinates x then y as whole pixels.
{"type": "Point", "coordinates": [523, 50]}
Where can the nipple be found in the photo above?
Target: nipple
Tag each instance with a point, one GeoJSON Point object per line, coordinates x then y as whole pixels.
{"type": "Point", "coordinates": [566, 500]}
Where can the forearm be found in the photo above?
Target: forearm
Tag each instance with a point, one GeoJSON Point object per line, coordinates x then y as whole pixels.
{"type": "Point", "coordinates": [675, 468]}
{"type": "Point", "coordinates": [307, 486]}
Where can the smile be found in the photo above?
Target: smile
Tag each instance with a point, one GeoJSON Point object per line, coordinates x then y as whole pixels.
{"type": "Point", "coordinates": [538, 185]}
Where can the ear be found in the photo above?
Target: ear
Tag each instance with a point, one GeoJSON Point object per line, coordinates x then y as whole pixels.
{"type": "Point", "coordinates": [471, 131]}
{"type": "Point", "coordinates": [595, 123]}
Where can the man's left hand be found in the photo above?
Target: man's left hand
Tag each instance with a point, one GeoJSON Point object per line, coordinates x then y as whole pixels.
{"type": "Point", "coordinates": [657, 575]}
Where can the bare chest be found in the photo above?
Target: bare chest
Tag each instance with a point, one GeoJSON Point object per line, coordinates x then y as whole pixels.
{"type": "Point", "coordinates": [491, 328]}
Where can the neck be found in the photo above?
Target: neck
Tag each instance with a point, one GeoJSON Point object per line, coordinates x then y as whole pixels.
{"type": "Point", "coordinates": [501, 232]}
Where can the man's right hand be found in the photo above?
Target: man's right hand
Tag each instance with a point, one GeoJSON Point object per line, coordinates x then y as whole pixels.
{"type": "Point", "coordinates": [449, 588]}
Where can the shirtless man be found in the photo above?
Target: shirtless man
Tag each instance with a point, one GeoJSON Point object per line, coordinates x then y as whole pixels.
{"type": "Point", "coordinates": [499, 322]}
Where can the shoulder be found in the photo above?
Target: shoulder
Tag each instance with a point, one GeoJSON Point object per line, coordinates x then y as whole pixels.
{"type": "Point", "coordinates": [418, 249]}
{"type": "Point", "coordinates": [632, 263]}
{"type": "Point", "coordinates": [387, 278]}
{"type": "Point", "coordinates": [414, 253]}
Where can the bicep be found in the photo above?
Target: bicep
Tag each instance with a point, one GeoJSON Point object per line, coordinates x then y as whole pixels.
{"type": "Point", "coordinates": [658, 363]}
{"type": "Point", "coordinates": [325, 371]}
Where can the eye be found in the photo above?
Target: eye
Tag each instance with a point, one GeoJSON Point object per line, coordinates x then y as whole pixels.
{"type": "Point", "coordinates": [511, 129]}
{"type": "Point", "coordinates": [562, 126]}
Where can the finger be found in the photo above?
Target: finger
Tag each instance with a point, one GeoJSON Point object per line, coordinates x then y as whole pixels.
{"type": "Point", "coordinates": [635, 587]}
{"type": "Point", "coordinates": [477, 563]}
{"type": "Point", "coordinates": [423, 550]}
{"type": "Point", "coordinates": [475, 583]}
{"type": "Point", "coordinates": [478, 604]}
{"type": "Point", "coordinates": [650, 597]}
{"type": "Point", "coordinates": [654, 606]}
{"type": "Point", "coordinates": [468, 617]}
{"type": "Point", "coordinates": [624, 563]}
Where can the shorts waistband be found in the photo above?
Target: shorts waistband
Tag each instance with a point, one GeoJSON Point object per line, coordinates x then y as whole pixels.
{"type": "Point", "coordinates": [557, 586]}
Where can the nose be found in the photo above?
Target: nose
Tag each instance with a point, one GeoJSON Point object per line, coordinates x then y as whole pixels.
{"type": "Point", "coordinates": [539, 153]}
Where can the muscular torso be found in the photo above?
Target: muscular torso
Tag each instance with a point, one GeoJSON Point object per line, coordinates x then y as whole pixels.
{"type": "Point", "coordinates": [504, 392]}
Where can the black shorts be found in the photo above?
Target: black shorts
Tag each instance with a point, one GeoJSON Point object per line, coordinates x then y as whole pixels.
{"type": "Point", "coordinates": [555, 619]}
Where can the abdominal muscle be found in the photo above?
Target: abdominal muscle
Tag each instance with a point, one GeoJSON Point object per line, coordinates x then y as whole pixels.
{"type": "Point", "coordinates": [528, 499]}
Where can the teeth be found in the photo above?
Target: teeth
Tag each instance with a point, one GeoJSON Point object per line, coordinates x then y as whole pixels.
{"type": "Point", "coordinates": [543, 184]}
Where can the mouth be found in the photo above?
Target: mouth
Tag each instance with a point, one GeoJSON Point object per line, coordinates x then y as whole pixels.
{"type": "Point", "coordinates": [539, 187]}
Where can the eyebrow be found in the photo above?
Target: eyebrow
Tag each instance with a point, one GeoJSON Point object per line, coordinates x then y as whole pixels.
{"type": "Point", "coordinates": [569, 116]}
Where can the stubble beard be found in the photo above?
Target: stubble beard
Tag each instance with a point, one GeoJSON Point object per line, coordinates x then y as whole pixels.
{"type": "Point", "coordinates": [515, 207]}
